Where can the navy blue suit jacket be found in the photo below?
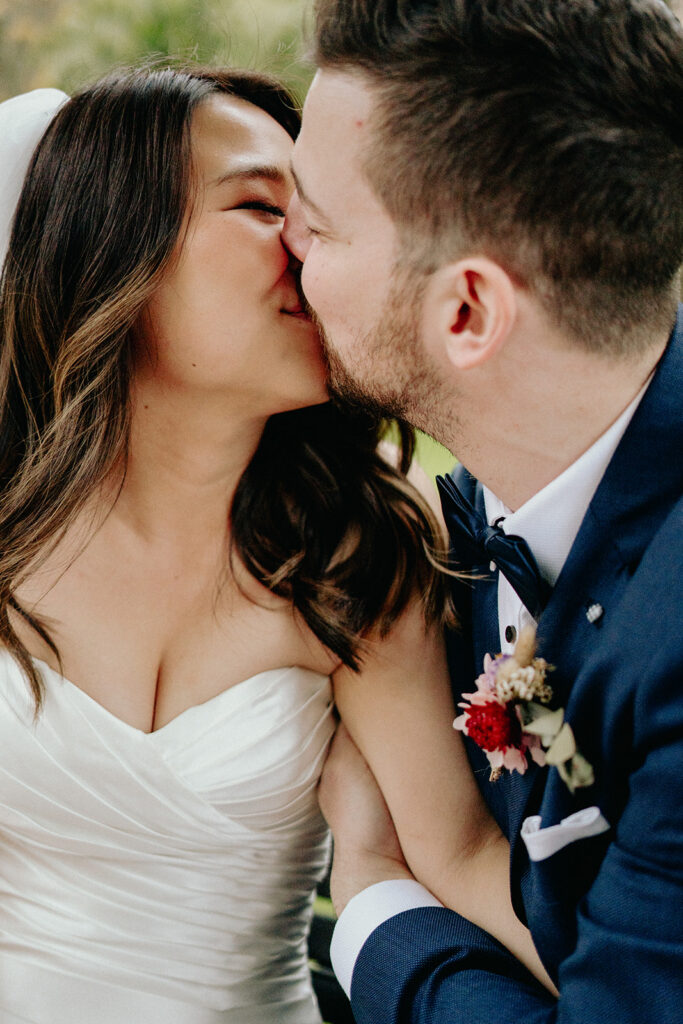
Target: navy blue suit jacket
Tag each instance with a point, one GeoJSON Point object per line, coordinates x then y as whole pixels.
{"type": "Point", "coordinates": [606, 913]}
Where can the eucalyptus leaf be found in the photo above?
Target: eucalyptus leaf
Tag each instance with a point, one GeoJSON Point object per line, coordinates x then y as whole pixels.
{"type": "Point", "coordinates": [563, 746]}
{"type": "Point", "coordinates": [576, 772]}
{"type": "Point", "coordinates": [566, 777]}
{"type": "Point", "coordinates": [582, 771]}
{"type": "Point", "coordinates": [546, 724]}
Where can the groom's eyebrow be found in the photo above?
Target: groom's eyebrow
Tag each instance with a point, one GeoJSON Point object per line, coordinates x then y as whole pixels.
{"type": "Point", "coordinates": [306, 199]}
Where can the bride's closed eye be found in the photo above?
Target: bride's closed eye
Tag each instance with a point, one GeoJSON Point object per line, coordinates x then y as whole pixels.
{"type": "Point", "coordinates": [261, 205]}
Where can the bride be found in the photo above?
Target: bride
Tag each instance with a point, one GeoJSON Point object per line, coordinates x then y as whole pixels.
{"type": "Point", "coordinates": [192, 543]}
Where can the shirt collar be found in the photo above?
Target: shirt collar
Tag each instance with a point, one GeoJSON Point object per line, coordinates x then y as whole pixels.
{"type": "Point", "coordinates": [550, 520]}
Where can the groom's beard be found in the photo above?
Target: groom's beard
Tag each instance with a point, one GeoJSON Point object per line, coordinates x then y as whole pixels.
{"type": "Point", "coordinates": [391, 376]}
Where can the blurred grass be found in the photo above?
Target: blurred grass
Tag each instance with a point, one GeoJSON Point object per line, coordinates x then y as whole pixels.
{"type": "Point", "coordinates": [66, 43]}
{"type": "Point", "coordinates": [432, 456]}
{"type": "Point", "coordinates": [323, 907]}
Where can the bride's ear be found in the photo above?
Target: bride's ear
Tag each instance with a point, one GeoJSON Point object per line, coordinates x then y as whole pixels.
{"type": "Point", "coordinates": [470, 310]}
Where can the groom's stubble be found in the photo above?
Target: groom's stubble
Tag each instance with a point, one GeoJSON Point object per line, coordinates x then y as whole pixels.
{"type": "Point", "coordinates": [387, 371]}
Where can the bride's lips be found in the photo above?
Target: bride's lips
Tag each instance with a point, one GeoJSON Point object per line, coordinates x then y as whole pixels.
{"type": "Point", "coordinates": [298, 307]}
{"type": "Point", "coordinates": [299, 312]}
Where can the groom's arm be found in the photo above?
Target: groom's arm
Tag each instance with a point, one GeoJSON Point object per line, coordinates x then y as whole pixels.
{"type": "Point", "coordinates": [432, 965]}
{"type": "Point", "coordinates": [429, 965]}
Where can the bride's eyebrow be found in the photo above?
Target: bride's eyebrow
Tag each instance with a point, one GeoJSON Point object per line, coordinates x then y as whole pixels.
{"type": "Point", "coordinates": [253, 172]}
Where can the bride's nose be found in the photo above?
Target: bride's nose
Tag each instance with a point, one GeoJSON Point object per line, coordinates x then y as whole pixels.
{"type": "Point", "coordinates": [295, 236]}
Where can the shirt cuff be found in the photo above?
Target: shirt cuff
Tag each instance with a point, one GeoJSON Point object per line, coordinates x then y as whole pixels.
{"type": "Point", "coordinates": [367, 911]}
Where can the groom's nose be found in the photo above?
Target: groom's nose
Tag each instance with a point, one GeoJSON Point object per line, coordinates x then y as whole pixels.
{"type": "Point", "coordinates": [295, 235]}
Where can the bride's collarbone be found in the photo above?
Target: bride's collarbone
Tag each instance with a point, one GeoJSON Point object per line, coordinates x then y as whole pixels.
{"type": "Point", "coordinates": [148, 660]}
{"type": "Point", "coordinates": [148, 638]}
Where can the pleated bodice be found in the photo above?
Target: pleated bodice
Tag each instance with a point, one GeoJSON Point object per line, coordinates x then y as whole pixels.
{"type": "Point", "coordinates": [165, 876]}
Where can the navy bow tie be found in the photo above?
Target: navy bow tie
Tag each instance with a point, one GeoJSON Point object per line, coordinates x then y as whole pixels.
{"type": "Point", "coordinates": [475, 543]}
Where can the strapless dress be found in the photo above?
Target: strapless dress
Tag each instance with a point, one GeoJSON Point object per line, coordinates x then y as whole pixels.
{"type": "Point", "coordinates": [164, 877]}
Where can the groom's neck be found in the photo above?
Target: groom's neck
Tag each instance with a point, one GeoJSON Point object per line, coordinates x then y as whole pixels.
{"type": "Point", "coordinates": [545, 408]}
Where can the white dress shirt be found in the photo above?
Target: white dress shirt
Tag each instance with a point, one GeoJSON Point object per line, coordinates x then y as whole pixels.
{"type": "Point", "coordinates": [549, 522]}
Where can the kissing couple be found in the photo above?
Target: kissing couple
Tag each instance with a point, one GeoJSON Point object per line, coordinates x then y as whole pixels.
{"type": "Point", "coordinates": [477, 230]}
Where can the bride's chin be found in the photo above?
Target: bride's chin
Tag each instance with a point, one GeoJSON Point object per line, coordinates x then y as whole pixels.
{"type": "Point", "coordinates": [316, 396]}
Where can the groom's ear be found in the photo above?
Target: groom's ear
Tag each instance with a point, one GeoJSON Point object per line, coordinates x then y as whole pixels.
{"type": "Point", "coordinates": [471, 309]}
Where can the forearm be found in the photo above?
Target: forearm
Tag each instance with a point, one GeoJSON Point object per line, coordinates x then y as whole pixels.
{"type": "Point", "coordinates": [430, 965]}
{"type": "Point", "coordinates": [367, 852]}
{"type": "Point", "coordinates": [477, 886]}
{"type": "Point", "coordinates": [400, 713]}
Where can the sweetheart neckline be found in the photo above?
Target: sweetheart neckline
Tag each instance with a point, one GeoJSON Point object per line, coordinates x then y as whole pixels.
{"type": "Point", "coordinates": [88, 699]}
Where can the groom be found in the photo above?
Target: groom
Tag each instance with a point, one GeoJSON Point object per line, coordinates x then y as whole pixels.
{"type": "Point", "coordinates": [490, 216]}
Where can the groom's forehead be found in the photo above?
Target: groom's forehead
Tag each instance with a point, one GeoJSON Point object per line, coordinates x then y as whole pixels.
{"type": "Point", "coordinates": [336, 134]}
{"type": "Point", "coordinates": [337, 116]}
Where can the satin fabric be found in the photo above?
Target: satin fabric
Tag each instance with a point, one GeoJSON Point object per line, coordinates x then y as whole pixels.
{"type": "Point", "coordinates": [165, 876]}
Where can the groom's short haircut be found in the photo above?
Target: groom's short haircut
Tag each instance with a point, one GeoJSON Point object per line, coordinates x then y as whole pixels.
{"type": "Point", "coordinates": [547, 134]}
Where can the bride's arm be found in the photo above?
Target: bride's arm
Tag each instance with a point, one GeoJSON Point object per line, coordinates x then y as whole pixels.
{"type": "Point", "coordinates": [399, 712]}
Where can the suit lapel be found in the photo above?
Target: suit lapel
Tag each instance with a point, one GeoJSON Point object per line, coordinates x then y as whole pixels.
{"type": "Point", "coordinates": [476, 602]}
{"type": "Point", "coordinates": [640, 485]}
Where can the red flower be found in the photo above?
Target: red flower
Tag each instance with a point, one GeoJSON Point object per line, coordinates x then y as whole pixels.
{"type": "Point", "coordinates": [493, 726]}
{"type": "Point", "coordinates": [508, 724]}
{"type": "Point", "coordinates": [496, 728]}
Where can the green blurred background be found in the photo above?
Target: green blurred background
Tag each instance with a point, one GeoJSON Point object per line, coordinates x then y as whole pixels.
{"type": "Point", "coordinates": [67, 43]}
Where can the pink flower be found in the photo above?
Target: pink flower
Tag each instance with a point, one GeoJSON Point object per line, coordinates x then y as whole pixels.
{"type": "Point", "coordinates": [486, 682]}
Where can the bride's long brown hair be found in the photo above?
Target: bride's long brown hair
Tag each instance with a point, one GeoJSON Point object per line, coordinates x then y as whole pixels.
{"type": "Point", "coordinates": [318, 516]}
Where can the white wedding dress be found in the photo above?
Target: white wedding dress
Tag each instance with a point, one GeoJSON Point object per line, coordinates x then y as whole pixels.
{"type": "Point", "coordinates": [161, 878]}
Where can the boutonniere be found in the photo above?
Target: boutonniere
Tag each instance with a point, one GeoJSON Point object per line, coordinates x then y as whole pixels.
{"type": "Point", "coordinates": [509, 718]}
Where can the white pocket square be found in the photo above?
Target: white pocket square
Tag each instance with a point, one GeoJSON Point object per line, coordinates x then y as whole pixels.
{"type": "Point", "coordinates": [544, 842]}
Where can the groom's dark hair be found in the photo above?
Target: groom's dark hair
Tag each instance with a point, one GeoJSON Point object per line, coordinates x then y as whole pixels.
{"type": "Point", "coordinates": [547, 135]}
